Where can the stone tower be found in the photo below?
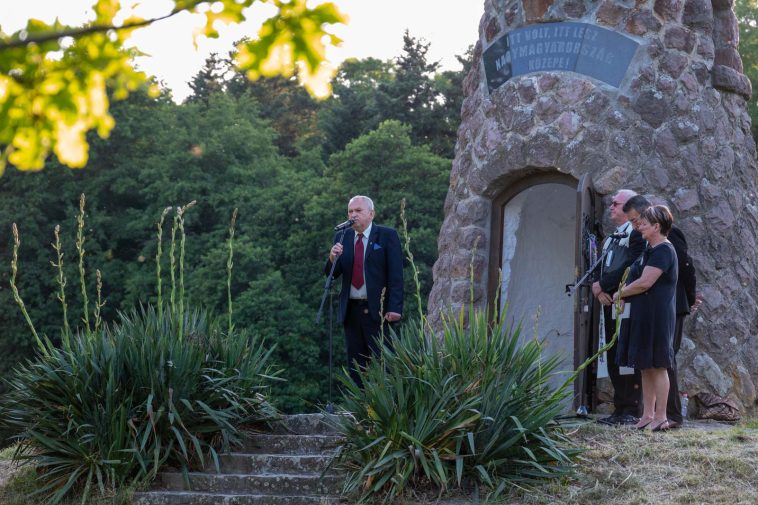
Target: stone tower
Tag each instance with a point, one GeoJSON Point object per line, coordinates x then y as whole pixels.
{"type": "Point", "coordinates": [641, 94]}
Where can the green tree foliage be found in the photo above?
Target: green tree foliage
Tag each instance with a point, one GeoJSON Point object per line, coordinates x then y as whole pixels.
{"type": "Point", "coordinates": [408, 89]}
{"type": "Point", "coordinates": [209, 80]}
{"type": "Point", "coordinates": [353, 109]}
{"type": "Point", "coordinates": [290, 110]}
{"type": "Point", "coordinates": [747, 15]}
{"type": "Point", "coordinates": [54, 78]}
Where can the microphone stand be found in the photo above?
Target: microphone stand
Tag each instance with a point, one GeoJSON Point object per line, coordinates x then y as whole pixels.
{"type": "Point", "coordinates": [328, 291]}
{"type": "Point", "coordinates": [571, 289]}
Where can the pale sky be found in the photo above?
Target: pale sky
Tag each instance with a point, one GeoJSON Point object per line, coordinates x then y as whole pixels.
{"type": "Point", "coordinates": [374, 29]}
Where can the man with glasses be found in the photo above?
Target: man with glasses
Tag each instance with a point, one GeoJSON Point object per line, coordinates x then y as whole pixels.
{"type": "Point", "coordinates": [621, 249]}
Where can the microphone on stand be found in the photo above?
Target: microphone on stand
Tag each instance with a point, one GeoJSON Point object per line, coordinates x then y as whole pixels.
{"type": "Point", "coordinates": [622, 234]}
{"type": "Point", "coordinates": [346, 224]}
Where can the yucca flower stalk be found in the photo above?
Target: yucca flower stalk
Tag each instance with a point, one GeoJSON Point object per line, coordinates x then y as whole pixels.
{"type": "Point", "coordinates": [80, 249]}
{"type": "Point", "coordinates": [229, 266]}
{"type": "Point", "coordinates": [61, 279]}
{"type": "Point", "coordinates": [100, 303]}
{"type": "Point", "coordinates": [17, 296]}
{"type": "Point", "coordinates": [409, 255]}
{"type": "Point", "coordinates": [158, 255]}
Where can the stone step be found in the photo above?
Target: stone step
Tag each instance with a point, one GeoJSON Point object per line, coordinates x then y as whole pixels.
{"type": "Point", "coordinates": [270, 463]}
{"type": "Point", "coordinates": [193, 498]}
{"type": "Point", "coordinates": [304, 424]}
{"type": "Point", "coordinates": [268, 484]}
{"type": "Point", "coordinates": [261, 443]}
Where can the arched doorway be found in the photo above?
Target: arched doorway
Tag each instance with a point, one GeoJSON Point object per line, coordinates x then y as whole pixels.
{"type": "Point", "coordinates": [537, 229]}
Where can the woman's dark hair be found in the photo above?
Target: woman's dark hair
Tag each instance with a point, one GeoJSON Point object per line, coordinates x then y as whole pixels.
{"type": "Point", "coordinates": [659, 214]}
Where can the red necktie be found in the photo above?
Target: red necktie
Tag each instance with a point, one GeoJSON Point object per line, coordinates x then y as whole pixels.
{"type": "Point", "coordinates": [358, 263]}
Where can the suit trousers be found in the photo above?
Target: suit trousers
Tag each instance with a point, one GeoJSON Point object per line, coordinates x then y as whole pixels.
{"type": "Point", "coordinates": [362, 337]}
{"type": "Point", "coordinates": [627, 389]}
{"type": "Point", "coordinates": [674, 403]}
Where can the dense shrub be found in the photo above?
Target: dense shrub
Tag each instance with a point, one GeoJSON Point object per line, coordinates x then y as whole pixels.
{"type": "Point", "coordinates": [122, 402]}
{"type": "Point", "coordinates": [475, 408]}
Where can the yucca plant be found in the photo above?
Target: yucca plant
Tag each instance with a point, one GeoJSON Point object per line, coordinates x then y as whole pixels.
{"type": "Point", "coordinates": [125, 401]}
{"type": "Point", "coordinates": [162, 385]}
{"type": "Point", "coordinates": [476, 408]}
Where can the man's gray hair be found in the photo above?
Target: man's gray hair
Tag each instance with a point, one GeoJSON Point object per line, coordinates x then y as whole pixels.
{"type": "Point", "coordinates": [626, 194]}
{"type": "Point", "coordinates": [367, 199]}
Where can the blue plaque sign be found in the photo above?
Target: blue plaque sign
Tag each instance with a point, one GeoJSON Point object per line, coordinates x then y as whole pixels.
{"type": "Point", "coordinates": [576, 47]}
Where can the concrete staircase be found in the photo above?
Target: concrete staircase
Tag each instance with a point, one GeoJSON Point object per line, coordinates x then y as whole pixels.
{"type": "Point", "coordinates": [286, 467]}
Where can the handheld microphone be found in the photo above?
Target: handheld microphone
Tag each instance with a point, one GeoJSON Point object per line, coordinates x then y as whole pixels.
{"type": "Point", "coordinates": [346, 224]}
{"type": "Point", "coordinates": [622, 234]}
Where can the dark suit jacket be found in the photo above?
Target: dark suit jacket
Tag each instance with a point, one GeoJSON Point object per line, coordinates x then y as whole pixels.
{"type": "Point", "coordinates": [609, 280]}
{"type": "Point", "coordinates": [383, 268]}
{"type": "Point", "coordinates": [686, 284]}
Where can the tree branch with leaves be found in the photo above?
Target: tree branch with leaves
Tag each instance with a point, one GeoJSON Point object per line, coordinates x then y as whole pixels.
{"type": "Point", "coordinates": [55, 79]}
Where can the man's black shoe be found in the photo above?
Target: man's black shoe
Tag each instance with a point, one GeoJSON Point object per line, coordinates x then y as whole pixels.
{"type": "Point", "coordinates": [619, 419]}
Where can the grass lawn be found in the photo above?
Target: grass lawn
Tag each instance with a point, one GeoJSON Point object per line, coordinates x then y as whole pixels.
{"type": "Point", "coordinates": [705, 464]}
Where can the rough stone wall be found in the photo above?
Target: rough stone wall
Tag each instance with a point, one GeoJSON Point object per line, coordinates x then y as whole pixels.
{"type": "Point", "coordinates": [677, 128]}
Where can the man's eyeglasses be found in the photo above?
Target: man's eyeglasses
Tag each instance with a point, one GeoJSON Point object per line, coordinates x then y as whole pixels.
{"type": "Point", "coordinates": [616, 204]}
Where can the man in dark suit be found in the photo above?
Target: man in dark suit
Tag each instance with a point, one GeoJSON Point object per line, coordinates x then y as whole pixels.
{"type": "Point", "coordinates": [371, 265]}
{"type": "Point", "coordinates": [621, 253]}
{"type": "Point", "coordinates": [685, 300]}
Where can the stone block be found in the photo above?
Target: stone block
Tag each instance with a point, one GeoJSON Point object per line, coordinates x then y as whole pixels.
{"type": "Point", "coordinates": [652, 107]}
{"type": "Point", "coordinates": [666, 85]}
{"type": "Point", "coordinates": [655, 49]}
{"type": "Point", "coordinates": [690, 83]}
{"type": "Point", "coordinates": [684, 130]}
{"type": "Point", "coordinates": [473, 210]}
{"type": "Point", "coordinates": [678, 37]}
{"type": "Point", "coordinates": [698, 14]}
{"type": "Point", "coordinates": [721, 216]}
{"type": "Point", "coordinates": [527, 92]}
{"type": "Point", "coordinates": [705, 47]}
{"type": "Point", "coordinates": [547, 109]}
{"type": "Point", "coordinates": [673, 63]}
{"type": "Point", "coordinates": [729, 57]}
{"type": "Point", "coordinates": [536, 9]}
{"type": "Point", "coordinates": [728, 79]}
{"type": "Point", "coordinates": [595, 104]}
{"type": "Point", "coordinates": [511, 15]}
{"type": "Point", "coordinates": [568, 124]}
{"type": "Point", "coordinates": [642, 22]}
{"type": "Point", "coordinates": [611, 13]}
{"type": "Point", "coordinates": [542, 150]}
{"type": "Point", "coordinates": [473, 237]}
{"type": "Point", "coordinates": [726, 29]}
{"type": "Point", "coordinates": [668, 10]}
{"type": "Point", "coordinates": [573, 90]}
{"type": "Point", "coordinates": [686, 199]}
{"type": "Point", "coordinates": [574, 8]}
{"type": "Point", "coordinates": [709, 370]}
{"type": "Point", "coordinates": [492, 29]}
{"type": "Point", "coordinates": [547, 82]}
{"type": "Point", "coordinates": [608, 181]}
{"type": "Point", "coordinates": [523, 120]}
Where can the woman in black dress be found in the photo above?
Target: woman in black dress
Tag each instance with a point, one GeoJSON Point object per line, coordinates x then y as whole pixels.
{"type": "Point", "coordinates": [651, 293]}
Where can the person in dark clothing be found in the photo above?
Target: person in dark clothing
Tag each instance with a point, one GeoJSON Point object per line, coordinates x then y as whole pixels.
{"type": "Point", "coordinates": [371, 266]}
{"type": "Point", "coordinates": [686, 300]}
{"type": "Point", "coordinates": [621, 252]}
{"type": "Point", "coordinates": [651, 291]}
